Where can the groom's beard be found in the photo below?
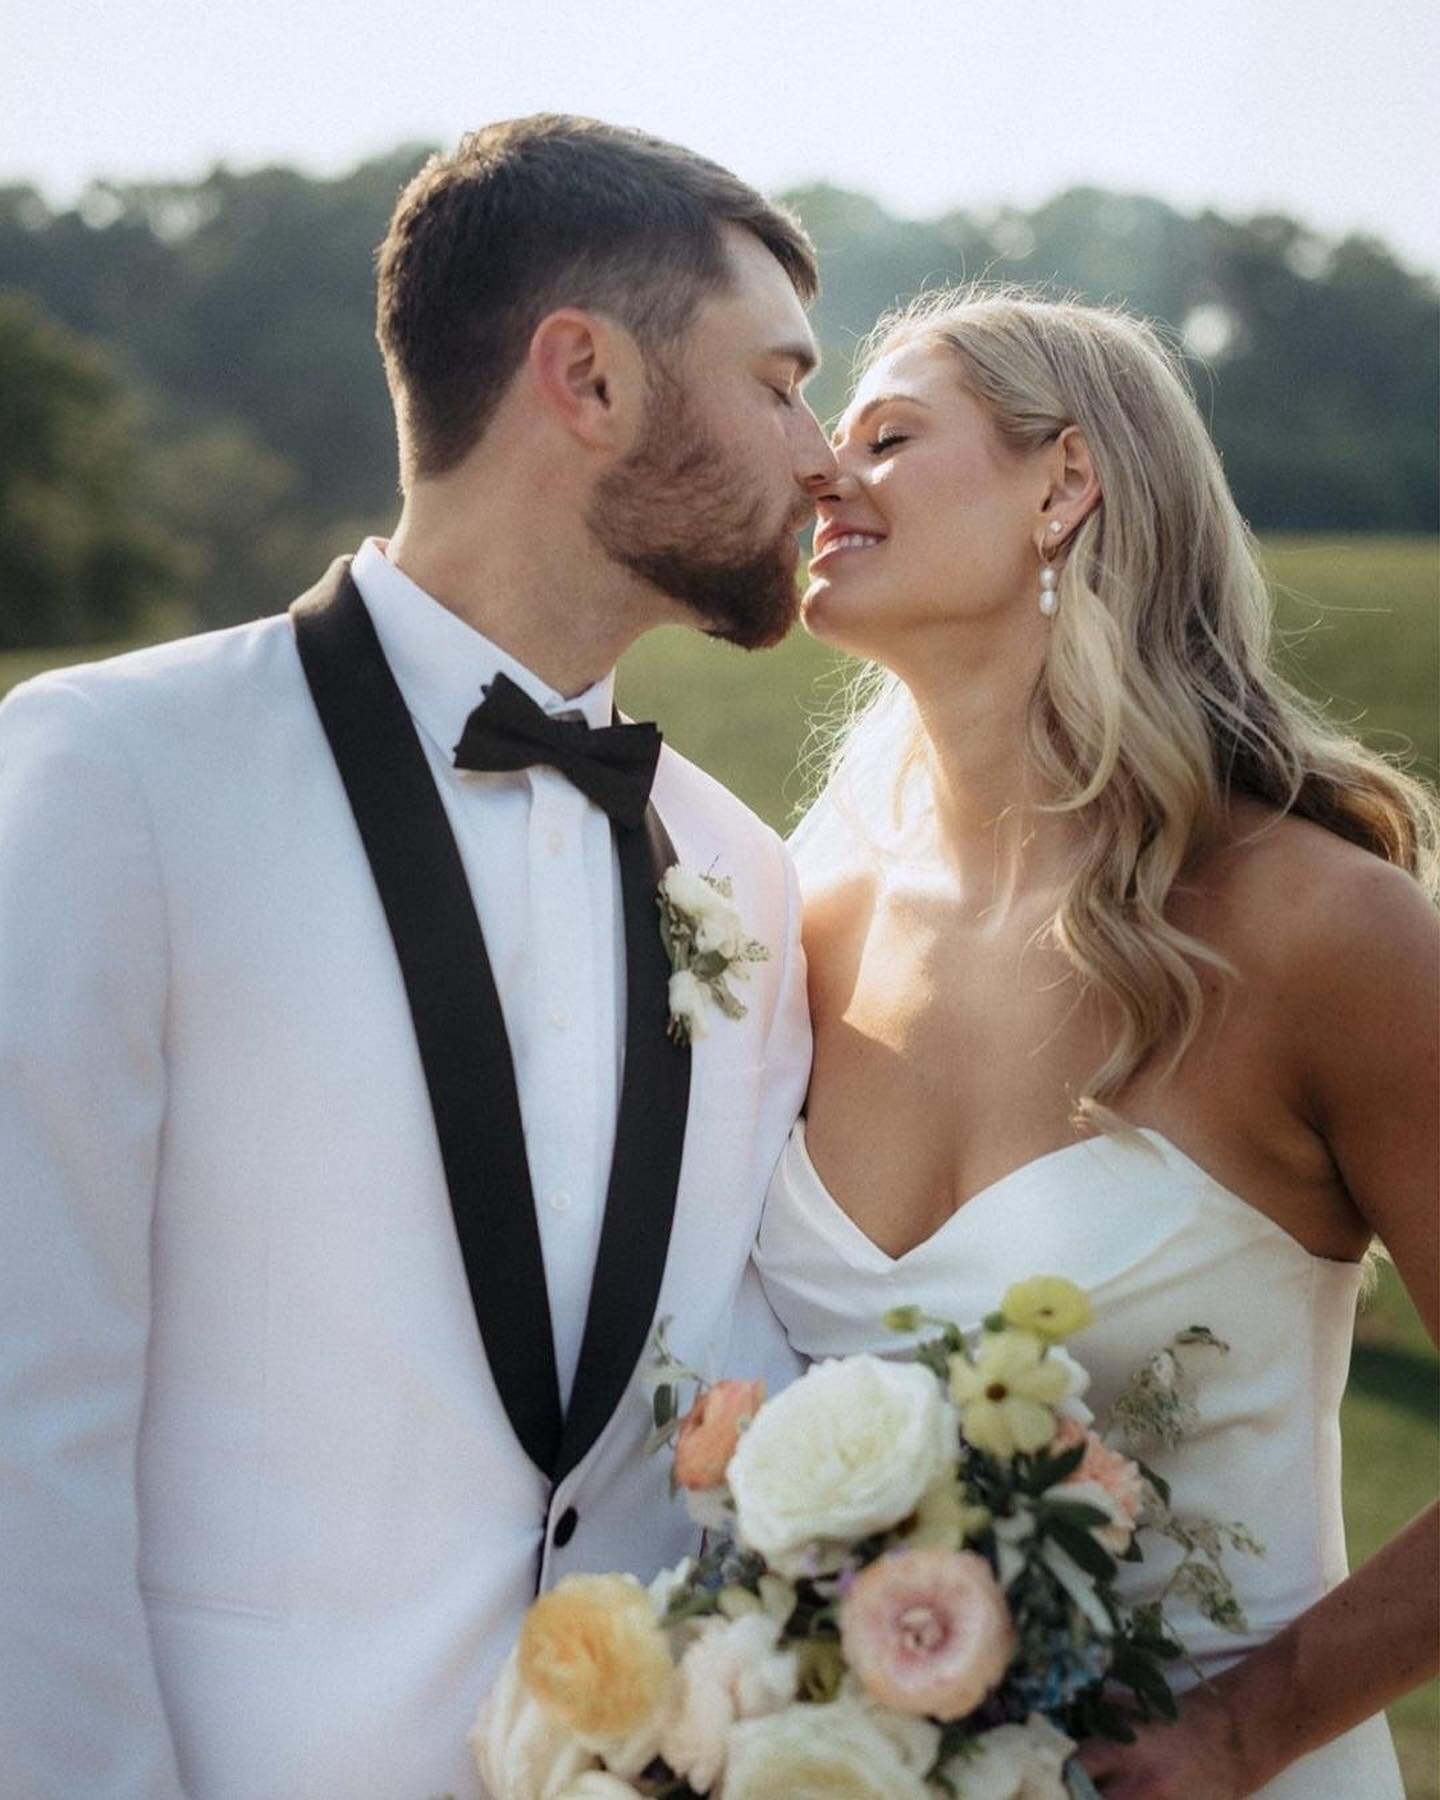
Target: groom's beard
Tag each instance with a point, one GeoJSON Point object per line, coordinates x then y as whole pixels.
{"type": "Point", "coordinates": [688, 519]}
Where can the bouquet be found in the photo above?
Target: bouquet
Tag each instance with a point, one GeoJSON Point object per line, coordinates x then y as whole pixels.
{"type": "Point", "coordinates": [907, 1588]}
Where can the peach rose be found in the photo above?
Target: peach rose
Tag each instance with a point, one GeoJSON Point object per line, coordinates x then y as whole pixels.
{"type": "Point", "coordinates": [593, 1655]}
{"type": "Point", "coordinates": [927, 1631]}
{"type": "Point", "coordinates": [1104, 1479]}
{"type": "Point", "coordinates": [711, 1430]}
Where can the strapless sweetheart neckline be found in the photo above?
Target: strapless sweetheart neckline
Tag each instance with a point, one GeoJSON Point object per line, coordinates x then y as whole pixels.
{"type": "Point", "coordinates": [1159, 1246]}
{"type": "Point", "coordinates": [1165, 1148]}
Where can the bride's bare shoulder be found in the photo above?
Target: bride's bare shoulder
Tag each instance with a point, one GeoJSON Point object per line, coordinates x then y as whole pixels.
{"type": "Point", "coordinates": [839, 883]}
{"type": "Point", "coordinates": [838, 904]}
{"type": "Point", "coordinates": [1312, 914]}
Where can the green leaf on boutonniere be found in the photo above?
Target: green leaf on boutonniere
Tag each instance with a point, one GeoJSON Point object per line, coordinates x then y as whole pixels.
{"type": "Point", "coordinates": [706, 944]}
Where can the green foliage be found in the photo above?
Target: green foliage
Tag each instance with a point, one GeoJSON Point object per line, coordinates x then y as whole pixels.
{"type": "Point", "coordinates": [74, 561]}
{"type": "Point", "coordinates": [1315, 364]}
{"type": "Point", "coordinates": [1389, 1473]}
{"type": "Point", "coordinates": [240, 308]}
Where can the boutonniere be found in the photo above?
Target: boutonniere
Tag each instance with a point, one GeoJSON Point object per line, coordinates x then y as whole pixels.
{"type": "Point", "coordinates": [706, 941]}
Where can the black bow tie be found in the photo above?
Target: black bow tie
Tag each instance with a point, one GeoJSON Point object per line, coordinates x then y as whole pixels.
{"type": "Point", "coordinates": [613, 765]}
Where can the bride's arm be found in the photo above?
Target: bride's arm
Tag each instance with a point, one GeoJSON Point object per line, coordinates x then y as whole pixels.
{"type": "Point", "coordinates": [1366, 976]}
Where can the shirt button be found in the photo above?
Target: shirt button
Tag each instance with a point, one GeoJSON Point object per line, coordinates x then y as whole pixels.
{"type": "Point", "coordinates": [555, 842]}
{"type": "Point", "coordinates": [559, 1020]}
{"type": "Point", "coordinates": [560, 1201]}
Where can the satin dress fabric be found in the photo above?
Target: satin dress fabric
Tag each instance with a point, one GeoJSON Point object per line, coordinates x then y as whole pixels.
{"type": "Point", "coordinates": [1159, 1246]}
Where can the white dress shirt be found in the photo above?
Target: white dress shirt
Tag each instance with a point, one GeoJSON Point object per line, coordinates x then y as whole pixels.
{"type": "Point", "coordinates": [545, 880]}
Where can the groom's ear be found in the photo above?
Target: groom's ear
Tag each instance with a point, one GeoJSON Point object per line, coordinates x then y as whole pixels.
{"type": "Point", "coordinates": [586, 372]}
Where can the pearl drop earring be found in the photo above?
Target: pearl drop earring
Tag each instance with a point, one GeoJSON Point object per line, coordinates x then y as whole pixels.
{"type": "Point", "coordinates": [1048, 578]}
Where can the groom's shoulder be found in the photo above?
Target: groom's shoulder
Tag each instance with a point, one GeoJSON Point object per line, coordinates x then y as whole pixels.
{"type": "Point", "coordinates": [177, 684]}
{"type": "Point", "coordinates": [706, 819]}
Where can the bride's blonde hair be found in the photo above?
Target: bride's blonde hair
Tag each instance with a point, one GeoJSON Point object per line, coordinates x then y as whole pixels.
{"type": "Point", "coordinates": [1157, 701]}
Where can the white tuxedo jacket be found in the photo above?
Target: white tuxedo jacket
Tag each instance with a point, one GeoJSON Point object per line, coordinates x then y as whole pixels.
{"type": "Point", "coordinates": [265, 1527]}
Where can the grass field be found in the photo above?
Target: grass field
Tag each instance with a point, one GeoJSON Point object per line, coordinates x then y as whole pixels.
{"type": "Point", "coordinates": [1359, 621]}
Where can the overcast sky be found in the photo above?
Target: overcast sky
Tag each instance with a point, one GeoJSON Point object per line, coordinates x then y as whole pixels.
{"type": "Point", "coordinates": [1321, 108]}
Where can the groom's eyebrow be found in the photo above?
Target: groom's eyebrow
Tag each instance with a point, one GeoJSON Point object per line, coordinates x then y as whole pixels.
{"type": "Point", "coordinates": [804, 356]}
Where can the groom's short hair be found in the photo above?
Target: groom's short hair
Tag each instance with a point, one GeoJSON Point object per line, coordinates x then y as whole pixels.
{"type": "Point", "coordinates": [534, 214]}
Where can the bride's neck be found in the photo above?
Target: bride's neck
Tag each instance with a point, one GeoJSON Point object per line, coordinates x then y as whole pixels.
{"type": "Point", "coordinates": [1002, 847]}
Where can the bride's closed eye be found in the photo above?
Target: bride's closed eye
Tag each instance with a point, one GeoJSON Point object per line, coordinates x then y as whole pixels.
{"type": "Point", "coordinates": [887, 440]}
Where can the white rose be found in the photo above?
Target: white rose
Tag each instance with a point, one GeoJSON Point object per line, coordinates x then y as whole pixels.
{"type": "Point", "coordinates": [690, 893]}
{"type": "Point", "coordinates": [1014, 1762]}
{"type": "Point", "coordinates": [834, 1749]}
{"type": "Point", "coordinates": [844, 1452]}
{"type": "Point", "coordinates": [688, 1001]}
{"type": "Point", "coordinates": [521, 1753]}
{"type": "Point", "coordinates": [721, 931]}
{"type": "Point", "coordinates": [731, 1671]}
{"type": "Point", "coordinates": [596, 1784]}
{"type": "Point", "coordinates": [916, 1741]}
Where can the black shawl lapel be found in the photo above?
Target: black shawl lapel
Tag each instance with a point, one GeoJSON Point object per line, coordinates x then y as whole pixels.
{"type": "Point", "coordinates": [645, 1171]}
{"type": "Point", "coordinates": [459, 1026]}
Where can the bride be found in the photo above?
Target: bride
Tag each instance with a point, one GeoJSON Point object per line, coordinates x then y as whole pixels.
{"type": "Point", "coordinates": [1122, 967]}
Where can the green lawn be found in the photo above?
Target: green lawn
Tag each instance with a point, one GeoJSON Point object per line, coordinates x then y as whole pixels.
{"type": "Point", "coordinates": [1389, 1427]}
{"type": "Point", "coordinates": [1361, 627]}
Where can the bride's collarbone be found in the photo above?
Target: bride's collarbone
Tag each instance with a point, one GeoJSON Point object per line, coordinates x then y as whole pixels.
{"type": "Point", "coordinates": [903, 1172]}
{"type": "Point", "coordinates": [927, 1033]}
{"type": "Point", "coordinates": [915, 1115]}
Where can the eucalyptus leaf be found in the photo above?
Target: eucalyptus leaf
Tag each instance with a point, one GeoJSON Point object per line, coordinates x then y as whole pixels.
{"type": "Point", "coordinates": [1079, 1545]}
{"type": "Point", "coordinates": [1075, 1513]}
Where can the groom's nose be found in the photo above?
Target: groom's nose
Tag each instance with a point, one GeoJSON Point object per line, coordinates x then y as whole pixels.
{"type": "Point", "coordinates": [815, 464]}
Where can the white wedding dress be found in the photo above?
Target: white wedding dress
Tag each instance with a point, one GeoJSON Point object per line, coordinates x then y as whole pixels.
{"type": "Point", "coordinates": [1159, 1246]}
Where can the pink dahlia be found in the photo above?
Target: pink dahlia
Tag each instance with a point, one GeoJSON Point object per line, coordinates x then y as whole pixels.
{"type": "Point", "coordinates": [927, 1631]}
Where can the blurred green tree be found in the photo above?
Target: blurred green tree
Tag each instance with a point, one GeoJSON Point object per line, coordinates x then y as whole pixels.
{"type": "Point", "coordinates": [241, 308]}
{"type": "Point", "coordinates": [77, 561]}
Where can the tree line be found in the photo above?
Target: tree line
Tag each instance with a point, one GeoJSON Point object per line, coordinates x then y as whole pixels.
{"type": "Point", "coordinates": [193, 417]}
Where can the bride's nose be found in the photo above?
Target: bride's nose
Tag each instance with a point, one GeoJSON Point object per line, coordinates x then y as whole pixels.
{"type": "Point", "coordinates": [835, 484]}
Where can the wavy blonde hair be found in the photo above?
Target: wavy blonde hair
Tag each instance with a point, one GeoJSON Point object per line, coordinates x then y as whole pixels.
{"type": "Point", "coordinates": [1157, 702]}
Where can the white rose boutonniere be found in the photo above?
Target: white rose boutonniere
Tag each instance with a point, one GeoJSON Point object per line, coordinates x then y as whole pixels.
{"type": "Point", "coordinates": [706, 941]}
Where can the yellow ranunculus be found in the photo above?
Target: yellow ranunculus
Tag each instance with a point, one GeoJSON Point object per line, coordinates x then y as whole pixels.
{"type": "Point", "coordinates": [594, 1656]}
{"type": "Point", "coordinates": [1048, 1305]}
{"type": "Point", "coordinates": [1007, 1396]}
{"type": "Point", "coordinates": [946, 1518]}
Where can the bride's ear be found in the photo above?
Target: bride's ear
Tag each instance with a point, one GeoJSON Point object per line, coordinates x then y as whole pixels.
{"type": "Point", "coordinates": [1074, 488]}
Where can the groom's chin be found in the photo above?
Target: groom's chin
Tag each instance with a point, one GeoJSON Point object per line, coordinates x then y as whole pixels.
{"type": "Point", "coordinates": [757, 628]}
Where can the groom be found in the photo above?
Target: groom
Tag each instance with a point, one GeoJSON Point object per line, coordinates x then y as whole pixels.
{"type": "Point", "coordinates": [345, 1158]}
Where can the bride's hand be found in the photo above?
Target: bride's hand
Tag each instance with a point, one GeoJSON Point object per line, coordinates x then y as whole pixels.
{"type": "Point", "coordinates": [1199, 1757]}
